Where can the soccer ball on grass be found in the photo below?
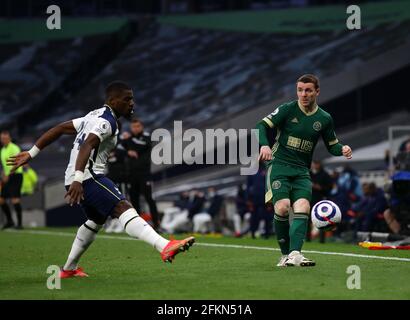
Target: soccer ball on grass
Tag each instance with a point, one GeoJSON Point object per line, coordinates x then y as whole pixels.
{"type": "Point", "coordinates": [325, 215]}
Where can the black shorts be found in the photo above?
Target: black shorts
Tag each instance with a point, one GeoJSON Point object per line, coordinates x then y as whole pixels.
{"type": "Point", "coordinates": [12, 189]}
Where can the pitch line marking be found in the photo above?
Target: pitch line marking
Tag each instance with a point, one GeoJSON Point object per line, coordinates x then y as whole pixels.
{"type": "Point", "coordinates": [204, 244]}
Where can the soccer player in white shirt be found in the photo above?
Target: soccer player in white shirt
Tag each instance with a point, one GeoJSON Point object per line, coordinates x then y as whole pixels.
{"type": "Point", "coordinates": [96, 135]}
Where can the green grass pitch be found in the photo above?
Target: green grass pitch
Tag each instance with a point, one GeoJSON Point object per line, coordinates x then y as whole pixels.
{"type": "Point", "coordinates": [214, 268]}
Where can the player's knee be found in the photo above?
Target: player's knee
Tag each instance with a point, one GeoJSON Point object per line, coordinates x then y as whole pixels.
{"type": "Point", "coordinates": [121, 207]}
{"type": "Point", "coordinates": [282, 207]}
{"type": "Point", "coordinates": [15, 200]}
{"type": "Point", "coordinates": [2, 201]}
{"type": "Point", "coordinates": [301, 205]}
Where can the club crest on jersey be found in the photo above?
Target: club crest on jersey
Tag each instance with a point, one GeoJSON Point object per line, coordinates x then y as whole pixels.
{"type": "Point", "coordinates": [276, 184]}
{"type": "Point", "coordinates": [103, 126]}
{"type": "Point", "coordinates": [317, 126]}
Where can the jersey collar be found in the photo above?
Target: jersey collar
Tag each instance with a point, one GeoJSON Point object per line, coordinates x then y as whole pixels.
{"type": "Point", "coordinates": [112, 111]}
{"type": "Point", "coordinates": [308, 113]}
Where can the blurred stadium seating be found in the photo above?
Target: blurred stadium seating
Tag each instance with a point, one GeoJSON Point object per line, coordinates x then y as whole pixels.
{"type": "Point", "coordinates": [222, 72]}
{"type": "Point", "coordinates": [203, 76]}
{"type": "Point", "coordinates": [30, 71]}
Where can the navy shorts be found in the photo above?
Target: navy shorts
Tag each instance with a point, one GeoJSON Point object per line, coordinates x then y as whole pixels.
{"type": "Point", "coordinates": [101, 195]}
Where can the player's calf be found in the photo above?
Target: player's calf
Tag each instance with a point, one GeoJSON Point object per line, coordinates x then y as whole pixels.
{"type": "Point", "coordinates": [137, 227]}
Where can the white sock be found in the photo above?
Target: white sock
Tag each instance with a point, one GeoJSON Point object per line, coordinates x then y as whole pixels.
{"type": "Point", "coordinates": [85, 236]}
{"type": "Point", "coordinates": [137, 227]}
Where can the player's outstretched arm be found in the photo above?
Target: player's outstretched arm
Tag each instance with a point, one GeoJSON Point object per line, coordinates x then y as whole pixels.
{"type": "Point", "coordinates": [75, 192]}
{"type": "Point", "coordinates": [47, 138]}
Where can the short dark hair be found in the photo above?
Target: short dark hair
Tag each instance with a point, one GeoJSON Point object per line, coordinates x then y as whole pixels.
{"type": "Point", "coordinates": [115, 88]}
{"type": "Point", "coordinates": [309, 78]}
{"type": "Point", "coordinates": [5, 131]}
{"type": "Point", "coordinates": [136, 120]}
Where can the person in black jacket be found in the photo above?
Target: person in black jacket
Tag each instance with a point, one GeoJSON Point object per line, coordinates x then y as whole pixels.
{"type": "Point", "coordinates": [256, 195]}
{"type": "Point", "coordinates": [138, 147]}
{"type": "Point", "coordinates": [118, 172]}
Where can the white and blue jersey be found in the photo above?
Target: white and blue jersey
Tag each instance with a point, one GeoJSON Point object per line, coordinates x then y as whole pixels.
{"type": "Point", "coordinates": [101, 195]}
{"type": "Point", "coordinates": [103, 123]}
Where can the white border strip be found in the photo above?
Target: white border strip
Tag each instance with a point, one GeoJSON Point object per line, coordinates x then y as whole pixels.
{"type": "Point", "coordinates": [235, 246]}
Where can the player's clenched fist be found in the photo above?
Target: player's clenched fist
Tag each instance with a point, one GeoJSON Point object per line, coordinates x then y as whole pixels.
{"type": "Point", "coordinates": [347, 152]}
{"type": "Point", "coordinates": [265, 153]}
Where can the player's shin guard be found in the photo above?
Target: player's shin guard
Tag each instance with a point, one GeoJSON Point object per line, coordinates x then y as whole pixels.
{"type": "Point", "coordinates": [137, 227]}
{"type": "Point", "coordinates": [85, 236]}
{"type": "Point", "coordinates": [298, 231]}
{"type": "Point", "coordinates": [282, 232]}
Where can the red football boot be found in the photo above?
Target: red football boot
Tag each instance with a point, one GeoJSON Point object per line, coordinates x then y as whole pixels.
{"type": "Point", "coordinates": [174, 247]}
{"type": "Point", "coordinates": [72, 273]}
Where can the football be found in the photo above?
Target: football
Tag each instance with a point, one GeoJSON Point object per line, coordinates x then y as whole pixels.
{"type": "Point", "coordinates": [325, 214]}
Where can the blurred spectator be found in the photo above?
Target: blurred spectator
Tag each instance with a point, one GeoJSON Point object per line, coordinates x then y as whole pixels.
{"type": "Point", "coordinates": [196, 204]}
{"type": "Point", "coordinates": [202, 220]}
{"type": "Point", "coordinates": [240, 201]}
{"type": "Point", "coordinates": [403, 158]}
{"type": "Point", "coordinates": [118, 169]}
{"type": "Point", "coordinates": [256, 194]}
{"type": "Point", "coordinates": [346, 190]}
{"type": "Point", "coordinates": [397, 216]}
{"type": "Point", "coordinates": [369, 207]}
{"type": "Point", "coordinates": [321, 182]}
{"type": "Point", "coordinates": [176, 215]}
{"type": "Point", "coordinates": [386, 159]}
{"type": "Point", "coordinates": [30, 180]}
{"type": "Point", "coordinates": [11, 182]}
{"type": "Point", "coordinates": [177, 218]}
{"type": "Point", "coordinates": [118, 172]}
{"type": "Point", "coordinates": [404, 145]}
{"type": "Point", "coordinates": [242, 225]}
{"type": "Point", "coordinates": [321, 185]}
{"type": "Point", "coordinates": [349, 182]}
{"type": "Point", "coordinates": [138, 147]}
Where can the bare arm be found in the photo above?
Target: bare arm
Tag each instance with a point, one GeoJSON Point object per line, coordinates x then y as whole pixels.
{"type": "Point", "coordinates": [54, 133]}
{"type": "Point", "coordinates": [92, 142]}
{"type": "Point", "coordinates": [47, 138]}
